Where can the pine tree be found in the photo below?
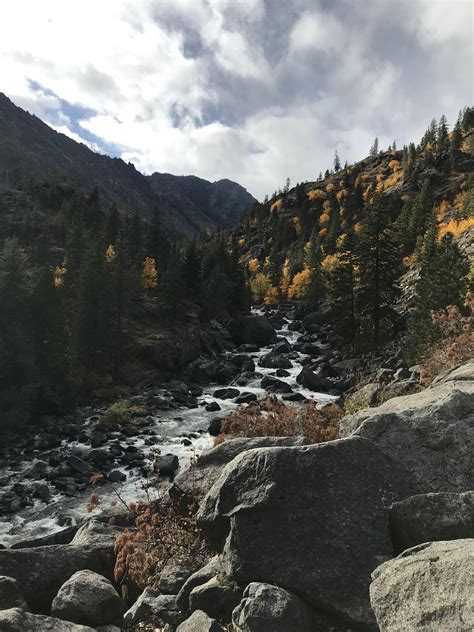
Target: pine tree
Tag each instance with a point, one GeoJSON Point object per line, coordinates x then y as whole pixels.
{"type": "Point", "coordinates": [442, 135]}
{"type": "Point", "coordinates": [337, 162]}
{"type": "Point", "coordinates": [113, 225]}
{"type": "Point", "coordinates": [342, 284]}
{"type": "Point", "coordinates": [380, 267]}
{"type": "Point", "coordinates": [374, 150]}
{"type": "Point", "coordinates": [313, 258]}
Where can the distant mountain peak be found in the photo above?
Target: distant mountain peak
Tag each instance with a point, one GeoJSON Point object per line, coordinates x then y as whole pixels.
{"type": "Point", "coordinates": [32, 152]}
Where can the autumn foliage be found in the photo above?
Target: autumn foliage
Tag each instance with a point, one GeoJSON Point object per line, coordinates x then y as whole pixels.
{"type": "Point", "coordinates": [274, 418]}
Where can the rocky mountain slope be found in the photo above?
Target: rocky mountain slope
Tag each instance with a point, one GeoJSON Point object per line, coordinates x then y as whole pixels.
{"type": "Point", "coordinates": [31, 153]}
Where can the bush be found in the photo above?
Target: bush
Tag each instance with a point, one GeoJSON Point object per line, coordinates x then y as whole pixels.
{"type": "Point", "coordinates": [161, 537]}
{"type": "Point", "coordinates": [274, 418]}
{"type": "Point", "coordinates": [455, 343]}
{"type": "Point", "coordinates": [121, 413]}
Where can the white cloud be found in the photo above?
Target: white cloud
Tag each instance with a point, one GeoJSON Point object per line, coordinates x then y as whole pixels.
{"type": "Point", "coordinates": [250, 90]}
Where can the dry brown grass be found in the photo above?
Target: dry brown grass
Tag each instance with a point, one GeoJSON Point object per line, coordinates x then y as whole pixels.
{"type": "Point", "coordinates": [274, 418]}
{"type": "Point", "coordinates": [456, 342]}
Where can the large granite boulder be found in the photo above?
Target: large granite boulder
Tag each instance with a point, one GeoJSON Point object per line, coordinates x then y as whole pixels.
{"type": "Point", "coordinates": [431, 517]}
{"type": "Point", "coordinates": [311, 519]}
{"type": "Point", "coordinates": [199, 621]}
{"type": "Point", "coordinates": [88, 598]}
{"type": "Point", "coordinates": [151, 605]}
{"type": "Point", "coordinates": [195, 480]}
{"type": "Point", "coordinates": [98, 534]}
{"type": "Point", "coordinates": [10, 594]}
{"type": "Point", "coordinates": [217, 598]}
{"type": "Point", "coordinates": [267, 608]}
{"type": "Point", "coordinates": [427, 588]}
{"type": "Point", "coordinates": [430, 434]}
{"type": "Point", "coordinates": [41, 571]}
{"type": "Point", "coordinates": [17, 620]}
{"type": "Point", "coordinates": [200, 577]}
{"type": "Point", "coordinates": [253, 330]}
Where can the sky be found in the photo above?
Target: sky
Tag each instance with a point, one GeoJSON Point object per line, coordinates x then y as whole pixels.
{"type": "Point", "coordinates": [251, 90]}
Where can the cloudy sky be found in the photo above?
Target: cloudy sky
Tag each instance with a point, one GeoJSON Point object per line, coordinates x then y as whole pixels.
{"type": "Point", "coordinates": [251, 90]}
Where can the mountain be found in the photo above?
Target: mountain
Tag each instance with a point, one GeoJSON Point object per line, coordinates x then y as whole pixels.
{"type": "Point", "coordinates": [31, 152]}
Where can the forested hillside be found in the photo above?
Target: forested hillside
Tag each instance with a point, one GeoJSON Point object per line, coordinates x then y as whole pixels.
{"type": "Point", "coordinates": [365, 237]}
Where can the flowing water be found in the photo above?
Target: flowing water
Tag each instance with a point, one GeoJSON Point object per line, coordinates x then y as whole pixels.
{"type": "Point", "coordinates": [180, 432]}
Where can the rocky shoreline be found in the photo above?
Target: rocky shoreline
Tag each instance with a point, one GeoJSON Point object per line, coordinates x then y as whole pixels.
{"type": "Point", "coordinates": [371, 531]}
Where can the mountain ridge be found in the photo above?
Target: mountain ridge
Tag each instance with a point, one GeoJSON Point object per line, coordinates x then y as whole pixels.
{"type": "Point", "coordinates": [32, 152]}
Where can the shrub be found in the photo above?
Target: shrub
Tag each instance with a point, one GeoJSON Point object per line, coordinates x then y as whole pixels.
{"type": "Point", "coordinates": [274, 418]}
{"type": "Point", "coordinates": [455, 343]}
{"type": "Point", "coordinates": [121, 413]}
{"type": "Point", "coordinates": [317, 194]}
{"type": "Point", "coordinates": [161, 537]}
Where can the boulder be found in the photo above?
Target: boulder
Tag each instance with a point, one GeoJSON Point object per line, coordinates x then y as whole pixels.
{"type": "Point", "coordinates": [17, 620]}
{"type": "Point", "coordinates": [167, 464]}
{"type": "Point", "coordinates": [200, 622]}
{"type": "Point", "coordinates": [43, 570]}
{"type": "Point", "coordinates": [274, 361]}
{"type": "Point", "coordinates": [194, 481]}
{"type": "Point", "coordinates": [226, 372]}
{"type": "Point", "coordinates": [273, 385]}
{"type": "Point", "coordinates": [267, 608]}
{"type": "Point", "coordinates": [116, 476]}
{"type": "Point", "coordinates": [97, 534]}
{"type": "Point", "coordinates": [431, 517]}
{"type": "Point", "coordinates": [203, 575]}
{"type": "Point", "coordinates": [79, 465]}
{"type": "Point", "coordinates": [311, 380]}
{"type": "Point", "coordinates": [283, 346]}
{"type": "Point", "coordinates": [64, 536]}
{"type": "Point", "coordinates": [215, 426]}
{"type": "Point", "coordinates": [226, 393]}
{"type": "Point", "coordinates": [252, 330]}
{"type": "Point", "coordinates": [212, 407]}
{"type": "Point", "coordinates": [430, 434]}
{"type": "Point", "coordinates": [363, 397]}
{"type": "Point", "coordinates": [172, 578]}
{"type": "Point", "coordinates": [428, 587]}
{"type": "Point", "coordinates": [88, 598]}
{"type": "Point", "coordinates": [152, 605]}
{"type": "Point", "coordinates": [217, 598]}
{"type": "Point", "coordinates": [246, 398]}
{"type": "Point", "coordinates": [310, 519]}
{"type": "Point", "coordinates": [10, 594]}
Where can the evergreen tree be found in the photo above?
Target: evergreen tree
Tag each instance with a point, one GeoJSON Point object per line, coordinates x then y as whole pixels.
{"type": "Point", "coordinates": [337, 162]}
{"type": "Point", "coordinates": [380, 267]}
{"type": "Point", "coordinates": [313, 263]}
{"type": "Point", "coordinates": [374, 150]}
{"type": "Point", "coordinates": [342, 284]}
{"type": "Point", "coordinates": [113, 225]}
{"type": "Point", "coordinates": [442, 135]}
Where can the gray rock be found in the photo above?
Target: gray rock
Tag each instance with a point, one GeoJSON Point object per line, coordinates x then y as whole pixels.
{"type": "Point", "coordinates": [98, 534]}
{"type": "Point", "coordinates": [59, 537]}
{"type": "Point", "coordinates": [116, 476]}
{"type": "Point", "coordinates": [464, 372]}
{"type": "Point", "coordinates": [274, 360]}
{"type": "Point", "coordinates": [79, 465]}
{"type": "Point", "coordinates": [200, 622]}
{"type": "Point", "coordinates": [431, 517]}
{"type": "Point", "coordinates": [172, 578]}
{"type": "Point", "coordinates": [427, 588]}
{"type": "Point", "coordinates": [43, 570]}
{"type": "Point", "coordinates": [88, 598]}
{"type": "Point", "coordinates": [10, 594]}
{"type": "Point", "coordinates": [226, 393]}
{"type": "Point", "coordinates": [311, 519]}
{"type": "Point", "coordinates": [215, 426]}
{"type": "Point", "coordinates": [274, 385]}
{"type": "Point", "coordinates": [217, 597]}
{"type": "Point", "coordinates": [151, 604]}
{"type": "Point", "coordinates": [267, 608]}
{"type": "Point", "coordinates": [246, 398]}
{"type": "Point", "coordinates": [17, 620]}
{"type": "Point", "coordinates": [194, 481]}
{"type": "Point", "coordinates": [168, 464]}
{"type": "Point", "coordinates": [430, 434]}
{"type": "Point", "coordinates": [203, 575]}
{"type": "Point", "coordinates": [252, 330]}
{"type": "Point", "coordinates": [363, 397]}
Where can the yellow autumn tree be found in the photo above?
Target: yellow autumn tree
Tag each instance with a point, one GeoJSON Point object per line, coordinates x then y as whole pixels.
{"type": "Point", "coordinates": [59, 272]}
{"type": "Point", "coordinates": [149, 274]}
{"type": "Point", "coordinates": [272, 297]}
{"type": "Point", "coordinates": [253, 265]}
{"type": "Point", "coordinates": [301, 285]}
{"type": "Point", "coordinates": [285, 280]}
{"type": "Point", "coordinates": [259, 286]}
{"type": "Point", "coordinates": [110, 253]}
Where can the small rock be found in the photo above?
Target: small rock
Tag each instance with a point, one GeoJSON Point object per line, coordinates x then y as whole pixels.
{"type": "Point", "coordinates": [217, 598]}
{"type": "Point", "coordinates": [151, 604]}
{"type": "Point", "coordinates": [200, 622]}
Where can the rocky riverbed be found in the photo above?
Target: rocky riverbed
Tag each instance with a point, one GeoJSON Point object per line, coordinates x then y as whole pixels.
{"type": "Point", "coordinates": [45, 477]}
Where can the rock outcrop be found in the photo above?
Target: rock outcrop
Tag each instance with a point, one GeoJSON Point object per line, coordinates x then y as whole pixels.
{"type": "Point", "coordinates": [17, 620]}
{"type": "Point", "coordinates": [430, 434]}
{"type": "Point", "coordinates": [431, 517]}
{"type": "Point", "coordinates": [88, 598]}
{"type": "Point", "coordinates": [267, 608]}
{"type": "Point", "coordinates": [312, 520]}
{"type": "Point", "coordinates": [427, 588]}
